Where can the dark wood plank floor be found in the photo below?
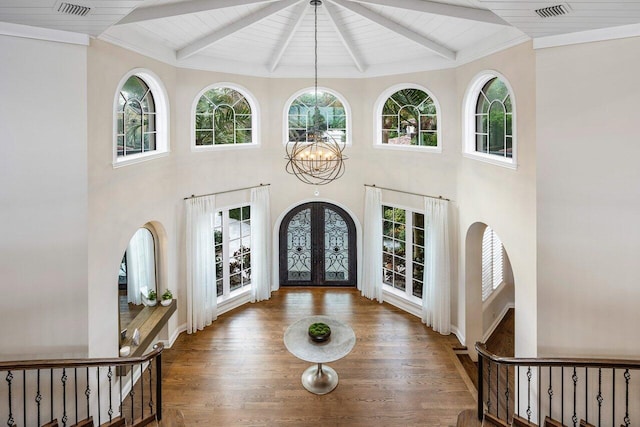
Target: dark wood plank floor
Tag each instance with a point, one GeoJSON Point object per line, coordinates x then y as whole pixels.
{"type": "Point", "coordinates": [238, 372]}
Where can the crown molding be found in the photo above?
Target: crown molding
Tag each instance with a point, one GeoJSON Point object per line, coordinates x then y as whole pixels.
{"type": "Point", "coordinates": [46, 34]}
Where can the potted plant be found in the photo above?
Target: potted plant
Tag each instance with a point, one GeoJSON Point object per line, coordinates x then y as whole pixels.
{"type": "Point", "coordinates": [167, 297]}
{"type": "Point", "coordinates": [151, 298]}
{"type": "Point", "coordinates": [319, 332]}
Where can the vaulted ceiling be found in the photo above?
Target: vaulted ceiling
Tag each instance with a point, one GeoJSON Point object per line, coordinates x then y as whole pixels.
{"type": "Point", "coordinates": [355, 37]}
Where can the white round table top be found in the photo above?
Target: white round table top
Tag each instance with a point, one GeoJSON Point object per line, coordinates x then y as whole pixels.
{"type": "Point", "coordinates": [339, 344]}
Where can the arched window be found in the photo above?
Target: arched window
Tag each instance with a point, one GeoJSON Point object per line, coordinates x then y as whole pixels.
{"type": "Point", "coordinates": [490, 119]}
{"type": "Point", "coordinates": [407, 116]}
{"type": "Point", "coordinates": [492, 262]}
{"type": "Point", "coordinates": [141, 119]}
{"type": "Point", "coordinates": [334, 117]}
{"type": "Point", "coordinates": [224, 116]}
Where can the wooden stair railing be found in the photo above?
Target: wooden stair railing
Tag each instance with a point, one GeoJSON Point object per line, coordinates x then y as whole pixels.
{"type": "Point", "coordinates": [108, 392]}
{"type": "Point", "coordinates": [576, 392]}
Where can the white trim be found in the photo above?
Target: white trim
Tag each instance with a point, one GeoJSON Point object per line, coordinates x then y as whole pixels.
{"type": "Point", "coordinates": [469, 121]}
{"type": "Point", "coordinates": [255, 119]}
{"type": "Point", "coordinates": [377, 112]}
{"type": "Point", "coordinates": [589, 36]}
{"type": "Point", "coordinates": [46, 34]}
{"type": "Point", "coordinates": [161, 100]}
{"type": "Point", "coordinates": [400, 302]}
{"type": "Point", "coordinates": [458, 333]}
{"type": "Point", "coordinates": [174, 336]}
{"type": "Point", "coordinates": [287, 105]}
{"type": "Point", "coordinates": [497, 321]}
{"type": "Point", "coordinates": [234, 301]}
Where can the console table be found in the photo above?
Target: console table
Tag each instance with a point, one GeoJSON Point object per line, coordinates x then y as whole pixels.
{"type": "Point", "coordinates": [319, 378]}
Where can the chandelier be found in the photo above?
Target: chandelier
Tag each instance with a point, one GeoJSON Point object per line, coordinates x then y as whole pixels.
{"type": "Point", "coordinates": [315, 157]}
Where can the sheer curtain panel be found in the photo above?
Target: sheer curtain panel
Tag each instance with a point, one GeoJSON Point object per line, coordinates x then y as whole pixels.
{"type": "Point", "coordinates": [372, 245]}
{"type": "Point", "coordinates": [141, 266]}
{"type": "Point", "coordinates": [201, 275]}
{"type": "Point", "coordinates": [436, 293]}
{"type": "Point", "coordinates": [260, 244]}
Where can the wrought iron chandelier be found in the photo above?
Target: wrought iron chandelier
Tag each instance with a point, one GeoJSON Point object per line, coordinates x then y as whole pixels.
{"type": "Point", "coordinates": [315, 157]}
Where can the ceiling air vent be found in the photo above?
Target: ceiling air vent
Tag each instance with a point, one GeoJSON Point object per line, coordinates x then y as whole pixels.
{"type": "Point", "coordinates": [73, 9]}
{"type": "Point", "coordinates": [551, 11]}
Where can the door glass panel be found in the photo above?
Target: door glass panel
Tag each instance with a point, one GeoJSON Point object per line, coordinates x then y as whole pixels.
{"type": "Point", "coordinates": [299, 246]}
{"type": "Point", "coordinates": [336, 247]}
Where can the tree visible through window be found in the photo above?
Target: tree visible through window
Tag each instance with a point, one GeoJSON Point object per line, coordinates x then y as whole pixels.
{"type": "Point", "coordinates": [409, 117]}
{"type": "Point", "coordinates": [494, 120]}
{"type": "Point", "coordinates": [332, 118]}
{"type": "Point", "coordinates": [403, 253]}
{"type": "Point", "coordinates": [136, 118]}
{"type": "Point", "coordinates": [223, 116]}
{"type": "Point", "coordinates": [232, 244]}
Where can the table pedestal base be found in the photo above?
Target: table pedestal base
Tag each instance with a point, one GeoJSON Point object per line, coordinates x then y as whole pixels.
{"type": "Point", "coordinates": [319, 379]}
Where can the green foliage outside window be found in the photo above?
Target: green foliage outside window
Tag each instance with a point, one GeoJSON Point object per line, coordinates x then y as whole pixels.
{"type": "Point", "coordinates": [409, 117]}
{"type": "Point", "coordinates": [329, 117]}
{"type": "Point", "coordinates": [136, 121]}
{"type": "Point", "coordinates": [223, 116]}
{"type": "Point", "coordinates": [494, 119]}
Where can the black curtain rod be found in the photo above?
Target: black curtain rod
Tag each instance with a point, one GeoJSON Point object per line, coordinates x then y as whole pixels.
{"type": "Point", "coordinates": [193, 196]}
{"type": "Point", "coordinates": [407, 192]}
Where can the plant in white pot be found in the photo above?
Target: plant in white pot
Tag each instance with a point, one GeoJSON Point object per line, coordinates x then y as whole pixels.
{"type": "Point", "coordinates": [167, 297]}
{"type": "Point", "coordinates": [152, 298]}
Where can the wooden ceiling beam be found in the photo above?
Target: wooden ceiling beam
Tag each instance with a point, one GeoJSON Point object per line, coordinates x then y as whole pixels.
{"type": "Point", "coordinates": [183, 8]}
{"type": "Point", "coordinates": [346, 39]}
{"type": "Point", "coordinates": [288, 35]}
{"type": "Point", "coordinates": [208, 40]}
{"type": "Point", "coordinates": [435, 8]}
{"type": "Point", "coordinates": [396, 28]}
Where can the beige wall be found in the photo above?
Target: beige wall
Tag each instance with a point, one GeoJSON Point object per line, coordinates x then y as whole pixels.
{"type": "Point", "coordinates": [588, 199]}
{"type": "Point", "coordinates": [43, 199]}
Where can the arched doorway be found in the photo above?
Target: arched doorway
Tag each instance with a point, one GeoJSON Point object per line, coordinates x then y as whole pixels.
{"type": "Point", "coordinates": [317, 246]}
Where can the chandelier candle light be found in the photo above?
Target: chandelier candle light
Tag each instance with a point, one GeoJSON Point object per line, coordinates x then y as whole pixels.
{"type": "Point", "coordinates": [316, 157]}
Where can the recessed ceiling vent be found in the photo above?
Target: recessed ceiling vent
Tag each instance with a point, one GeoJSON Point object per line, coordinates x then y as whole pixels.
{"type": "Point", "coordinates": [73, 9]}
{"type": "Point", "coordinates": [551, 11]}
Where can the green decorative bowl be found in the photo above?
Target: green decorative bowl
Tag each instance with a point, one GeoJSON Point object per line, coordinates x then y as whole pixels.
{"type": "Point", "coordinates": [319, 332]}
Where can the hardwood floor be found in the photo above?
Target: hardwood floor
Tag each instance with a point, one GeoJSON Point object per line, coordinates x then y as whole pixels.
{"type": "Point", "coordinates": [238, 372]}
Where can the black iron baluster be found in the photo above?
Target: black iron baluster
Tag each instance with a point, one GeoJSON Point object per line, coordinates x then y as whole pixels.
{"type": "Point", "coordinates": [99, 405]}
{"type": "Point", "coordinates": [150, 387]}
{"type": "Point", "coordinates": [132, 393]}
{"type": "Point", "coordinates": [38, 395]}
{"type": "Point", "coordinates": [562, 394]}
{"type": "Point", "coordinates": [142, 390]}
{"type": "Point", "coordinates": [75, 380]}
{"type": "Point", "coordinates": [489, 386]}
{"type": "Point", "coordinates": [613, 398]}
{"type": "Point", "coordinates": [518, 391]}
{"type": "Point", "coordinates": [550, 391]}
{"type": "Point", "coordinates": [159, 387]}
{"type": "Point", "coordinates": [24, 397]}
{"type": "Point", "coordinates": [87, 392]}
{"type": "Point", "coordinates": [497, 390]}
{"type": "Point", "coordinates": [480, 386]}
{"type": "Point", "coordinates": [599, 398]}
{"type": "Point", "coordinates": [506, 394]}
{"type": "Point", "coordinates": [586, 394]}
{"type": "Point", "coordinates": [529, 394]}
{"type": "Point", "coordinates": [574, 377]}
{"type": "Point", "coordinates": [627, 377]}
{"type": "Point", "coordinates": [51, 390]}
{"type": "Point", "coordinates": [120, 375]}
{"type": "Point", "coordinates": [539, 392]}
{"type": "Point", "coordinates": [9, 379]}
{"type": "Point", "coordinates": [64, 396]}
{"type": "Point", "coordinates": [110, 412]}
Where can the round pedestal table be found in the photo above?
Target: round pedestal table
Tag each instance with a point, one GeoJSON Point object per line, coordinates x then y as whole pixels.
{"type": "Point", "coordinates": [319, 378]}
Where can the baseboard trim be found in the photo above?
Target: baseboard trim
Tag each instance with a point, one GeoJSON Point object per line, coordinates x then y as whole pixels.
{"type": "Point", "coordinates": [458, 333]}
{"type": "Point", "coordinates": [402, 304]}
{"type": "Point", "coordinates": [497, 321]}
{"type": "Point", "coordinates": [174, 336]}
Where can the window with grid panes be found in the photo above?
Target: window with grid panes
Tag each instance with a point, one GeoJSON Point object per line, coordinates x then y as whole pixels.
{"type": "Point", "coordinates": [494, 120]}
{"type": "Point", "coordinates": [302, 118]}
{"type": "Point", "coordinates": [409, 117]}
{"type": "Point", "coordinates": [232, 243]}
{"type": "Point", "coordinates": [136, 118]}
{"type": "Point", "coordinates": [403, 250]}
{"type": "Point", "coordinates": [223, 117]}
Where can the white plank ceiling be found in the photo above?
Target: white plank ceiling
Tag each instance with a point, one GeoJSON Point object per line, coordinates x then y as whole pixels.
{"type": "Point", "coordinates": [355, 37]}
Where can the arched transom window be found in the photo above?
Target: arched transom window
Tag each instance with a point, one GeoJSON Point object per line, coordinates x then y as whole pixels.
{"type": "Point", "coordinates": [223, 116]}
{"type": "Point", "coordinates": [136, 118]}
{"type": "Point", "coordinates": [409, 117]}
{"type": "Point", "coordinates": [494, 120]}
{"type": "Point", "coordinates": [332, 117]}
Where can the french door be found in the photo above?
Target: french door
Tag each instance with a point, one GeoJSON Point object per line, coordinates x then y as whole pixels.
{"type": "Point", "coordinates": [317, 246]}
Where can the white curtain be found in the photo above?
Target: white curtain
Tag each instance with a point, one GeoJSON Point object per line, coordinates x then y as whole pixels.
{"type": "Point", "coordinates": [201, 274]}
{"type": "Point", "coordinates": [260, 244]}
{"type": "Point", "coordinates": [141, 266]}
{"type": "Point", "coordinates": [372, 245]}
{"type": "Point", "coordinates": [436, 307]}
